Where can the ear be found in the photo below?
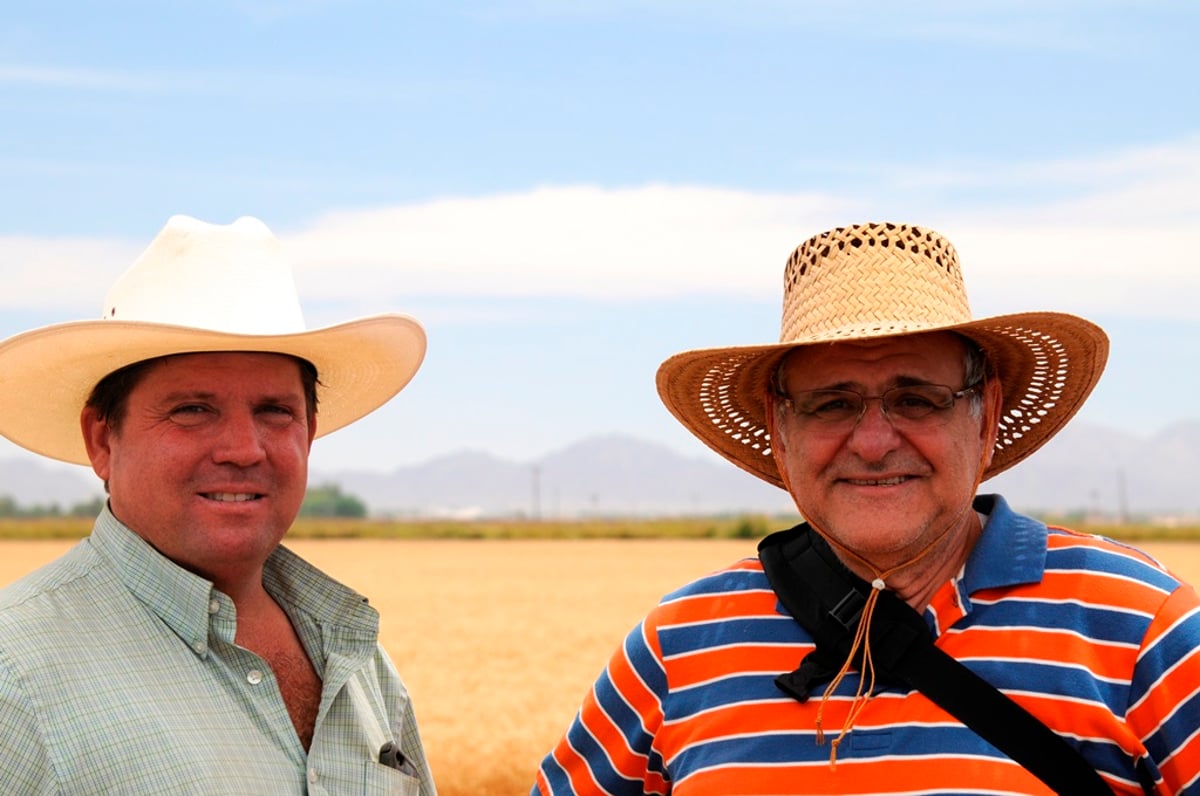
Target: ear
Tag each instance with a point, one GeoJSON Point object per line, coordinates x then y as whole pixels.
{"type": "Point", "coordinates": [993, 403]}
{"type": "Point", "coordinates": [312, 431]}
{"type": "Point", "coordinates": [97, 438]}
{"type": "Point", "coordinates": [771, 404]}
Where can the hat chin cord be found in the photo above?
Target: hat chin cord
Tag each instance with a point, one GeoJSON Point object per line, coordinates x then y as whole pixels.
{"type": "Point", "coordinates": [862, 637]}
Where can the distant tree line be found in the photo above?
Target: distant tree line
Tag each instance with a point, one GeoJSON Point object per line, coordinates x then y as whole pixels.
{"type": "Point", "coordinates": [9, 507]}
{"type": "Point", "coordinates": [326, 500]}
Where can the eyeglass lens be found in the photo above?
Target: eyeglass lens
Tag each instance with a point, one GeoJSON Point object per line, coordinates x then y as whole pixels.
{"type": "Point", "coordinates": [918, 404]}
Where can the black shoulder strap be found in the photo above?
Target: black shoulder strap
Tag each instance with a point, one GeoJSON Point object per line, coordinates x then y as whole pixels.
{"type": "Point", "coordinates": [827, 599]}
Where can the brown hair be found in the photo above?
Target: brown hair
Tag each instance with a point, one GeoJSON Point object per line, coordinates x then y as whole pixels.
{"type": "Point", "coordinates": [108, 398]}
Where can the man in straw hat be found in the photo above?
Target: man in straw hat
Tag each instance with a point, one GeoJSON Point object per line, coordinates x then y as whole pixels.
{"type": "Point", "coordinates": [179, 648]}
{"type": "Point", "coordinates": [912, 636]}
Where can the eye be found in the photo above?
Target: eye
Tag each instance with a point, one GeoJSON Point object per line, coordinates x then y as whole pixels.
{"type": "Point", "coordinates": [916, 401]}
{"type": "Point", "coordinates": [190, 414]}
{"type": "Point", "coordinates": [911, 398]}
{"type": "Point", "coordinates": [277, 414]}
{"type": "Point", "coordinates": [827, 404]}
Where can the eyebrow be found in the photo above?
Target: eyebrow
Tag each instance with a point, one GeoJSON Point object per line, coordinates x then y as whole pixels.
{"type": "Point", "coordinates": [855, 386]}
{"type": "Point", "coordinates": [208, 395]}
{"type": "Point", "coordinates": [188, 395]}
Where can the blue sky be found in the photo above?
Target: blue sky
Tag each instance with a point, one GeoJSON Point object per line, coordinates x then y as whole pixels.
{"type": "Point", "coordinates": [566, 193]}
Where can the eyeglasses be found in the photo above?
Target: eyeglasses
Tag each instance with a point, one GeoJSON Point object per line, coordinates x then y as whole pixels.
{"type": "Point", "coordinates": [910, 408]}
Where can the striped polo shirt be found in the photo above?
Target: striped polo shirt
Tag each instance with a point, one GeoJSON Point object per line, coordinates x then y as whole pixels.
{"type": "Point", "coordinates": [1093, 637]}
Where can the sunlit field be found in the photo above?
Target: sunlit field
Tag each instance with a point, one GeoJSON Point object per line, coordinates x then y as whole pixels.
{"type": "Point", "coordinates": [499, 639]}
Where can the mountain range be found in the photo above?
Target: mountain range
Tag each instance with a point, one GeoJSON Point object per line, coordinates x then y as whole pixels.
{"type": "Point", "coordinates": [1086, 469]}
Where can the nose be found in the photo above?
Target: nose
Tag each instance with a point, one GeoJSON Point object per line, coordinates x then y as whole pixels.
{"type": "Point", "coordinates": [873, 436]}
{"type": "Point", "coordinates": [239, 441]}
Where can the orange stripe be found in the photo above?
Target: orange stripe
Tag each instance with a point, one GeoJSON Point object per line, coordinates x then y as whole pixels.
{"type": "Point", "coordinates": [609, 736]}
{"type": "Point", "coordinates": [744, 659]}
{"type": "Point", "coordinates": [790, 716]}
{"type": "Point", "coordinates": [1184, 763]}
{"type": "Point", "coordinates": [709, 607]}
{"type": "Point", "coordinates": [943, 772]}
{"type": "Point", "coordinates": [1058, 647]}
{"type": "Point", "coordinates": [640, 699]}
{"type": "Point", "coordinates": [1088, 588]}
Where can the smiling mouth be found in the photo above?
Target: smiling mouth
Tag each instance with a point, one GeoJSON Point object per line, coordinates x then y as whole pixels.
{"type": "Point", "coordinates": [231, 497]}
{"type": "Point", "coordinates": [899, 479]}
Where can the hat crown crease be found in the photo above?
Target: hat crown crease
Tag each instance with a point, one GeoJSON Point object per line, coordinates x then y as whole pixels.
{"type": "Point", "coordinates": [200, 287]}
{"type": "Point", "coordinates": [230, 278]}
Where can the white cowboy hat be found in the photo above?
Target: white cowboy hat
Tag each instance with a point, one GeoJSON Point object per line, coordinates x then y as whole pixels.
{"type": "Point", "coordinates": [884, 280]}
{"type": "Point", "coordinates": [198, 287]}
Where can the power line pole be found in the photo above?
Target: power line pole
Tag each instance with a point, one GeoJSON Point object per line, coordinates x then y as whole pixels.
{"type": "Point", "coordinates": [1122, 498]}
{"type": "Point", "coordinates": [537, 488]}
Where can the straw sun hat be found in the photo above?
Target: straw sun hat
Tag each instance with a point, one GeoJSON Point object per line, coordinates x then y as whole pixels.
{"type": "Point", "coordinates": [198, 287]}
{"type": "Point", "coordinates": [882, 280]}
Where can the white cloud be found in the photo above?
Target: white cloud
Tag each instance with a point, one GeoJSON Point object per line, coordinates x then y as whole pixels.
{"type": "Point", "coordinates": [1131, 270]}
{"type": "Point", "coordinates": [1124, 241]}
{"type": "Point", "coordinates": [259, 86]}
{"type": "Point", "coordinates": [77, 78]}
{"type": "Point", "coordinates": [583, 241]}
{"type": "Point", "coordinates": [62, 278]}
{"type": "Point", "coordinates": [1126, 244]}
{"type": "Point", "coordinates": [1154, 183]}
{"type": "Point", "coordinates": [1063, 26]}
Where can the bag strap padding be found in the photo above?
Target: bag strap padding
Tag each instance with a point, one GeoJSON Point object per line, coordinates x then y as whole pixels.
{"type": "Point", "coordinates": [821, 594]}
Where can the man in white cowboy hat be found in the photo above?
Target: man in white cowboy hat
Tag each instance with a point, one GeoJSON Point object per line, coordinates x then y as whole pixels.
{"type": "Point", "coordinates": [912, 636]}
{"type": "Point", "coordinates": [179, 648]}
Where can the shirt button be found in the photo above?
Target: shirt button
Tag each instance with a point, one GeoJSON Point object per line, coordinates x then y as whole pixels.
{"type": "Point", "coordinates": [214, 606]}
{"type": "Point", "coordinates": [198, 648]}
{"type": "Point", "coordinates": [254, 677]}
{"type": "Point", "coordinates": [312, 776]}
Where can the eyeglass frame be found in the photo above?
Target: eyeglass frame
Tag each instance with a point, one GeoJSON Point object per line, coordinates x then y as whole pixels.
{"type": "Point", "coordinates": [844, 427]}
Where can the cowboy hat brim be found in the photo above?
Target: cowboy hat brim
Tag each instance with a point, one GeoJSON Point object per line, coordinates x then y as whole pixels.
{"type": "Point", "coordinates": [47, 374]}
{"type": "Point", "coordinates": [1047, 364]}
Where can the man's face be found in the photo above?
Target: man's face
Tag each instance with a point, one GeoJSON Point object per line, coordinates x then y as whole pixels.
{"type": "Point", "coordinates": [210, 463]}
{"type": "Point", "coordinates": [882, 492]}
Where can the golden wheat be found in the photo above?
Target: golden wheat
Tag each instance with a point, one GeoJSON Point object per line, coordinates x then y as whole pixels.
{"type": "Point", "coordinates": [499, 640]}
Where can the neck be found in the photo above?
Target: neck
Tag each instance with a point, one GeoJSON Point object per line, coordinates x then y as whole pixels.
{"type": "Point", "coordinates": [917, 579]}
{"type": "Point", "coordinates": [249, 595]}
{"type": "Point", "coordinates": [242, 585]}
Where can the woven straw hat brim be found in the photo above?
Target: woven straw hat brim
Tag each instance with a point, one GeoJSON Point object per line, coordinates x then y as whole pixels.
{"type": "Point", "coordinates": [47, 374]}
{"type": "Point", "coordinates": [1047, 364]}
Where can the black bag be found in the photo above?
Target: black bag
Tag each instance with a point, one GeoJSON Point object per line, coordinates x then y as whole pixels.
{"type": "Point", "coordinates": [827, 600]}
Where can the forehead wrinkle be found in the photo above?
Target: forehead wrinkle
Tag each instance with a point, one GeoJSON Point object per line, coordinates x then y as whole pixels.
{"type": "Point", "coordinates": [898, 380]}
{"type": "Point", "coordinates": [202, 394]}
{"type": "Point", "coordinates": [187, 395]}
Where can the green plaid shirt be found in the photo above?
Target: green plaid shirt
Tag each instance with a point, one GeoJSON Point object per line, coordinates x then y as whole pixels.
{"type": "Point", "coordinates": [118, 674]}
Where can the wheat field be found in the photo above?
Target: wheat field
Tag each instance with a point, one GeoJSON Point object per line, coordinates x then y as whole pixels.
{"type": "Point", "coordinates": [498, 640]}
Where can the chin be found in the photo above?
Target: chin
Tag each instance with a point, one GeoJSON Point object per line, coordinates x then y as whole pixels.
{"type": "Point", "coordinates": [876, 540]}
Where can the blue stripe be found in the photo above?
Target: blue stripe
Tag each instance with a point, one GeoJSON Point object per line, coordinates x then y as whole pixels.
{"type": "Point", "coordinates": [1097, 622]}
{"type": "Point", "coordinates": [679, 640]}
{"type": "Point", "coordinates": [1052, 680]}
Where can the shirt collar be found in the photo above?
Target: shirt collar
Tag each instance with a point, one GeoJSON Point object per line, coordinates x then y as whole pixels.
{"type": "Point", "coordinates": [187, 602]}
{"type": "Point", "coordinates": [180, 598]}
{"type": "Point", "coordinates": [1010, 551]}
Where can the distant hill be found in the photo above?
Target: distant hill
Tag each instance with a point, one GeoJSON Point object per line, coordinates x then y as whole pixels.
{"type": "Point", "coordinates": [1096, 469]}
{"type": "Point", "coordinates": [1085, 468]}
{"type": "Point", "coordinates": [607, 475]}
{"type": "Point", "coordinates": [31, 483]}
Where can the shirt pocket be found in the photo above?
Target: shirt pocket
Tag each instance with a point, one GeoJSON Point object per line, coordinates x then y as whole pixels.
{"type": "Point", "coordinates": [380, 779]}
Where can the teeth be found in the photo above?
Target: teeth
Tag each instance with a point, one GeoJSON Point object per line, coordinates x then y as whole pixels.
{"type": "Point", "coordinates": [231, 497]}
{"type": "Point", "coordinates": [885, 482]}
